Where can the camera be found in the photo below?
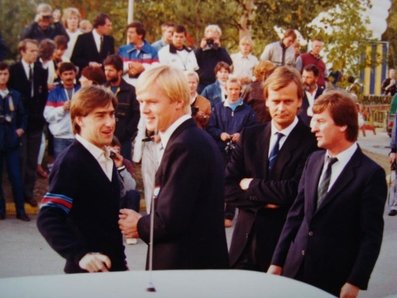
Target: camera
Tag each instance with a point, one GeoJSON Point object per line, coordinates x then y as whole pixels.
{"type": "Point", "coordinates": [211, 43]}
{"type": "Point", "coordinates": [230, 146]}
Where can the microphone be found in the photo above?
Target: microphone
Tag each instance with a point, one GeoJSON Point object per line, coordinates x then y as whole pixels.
{"type": "Point", "coordinates": [151, 287]}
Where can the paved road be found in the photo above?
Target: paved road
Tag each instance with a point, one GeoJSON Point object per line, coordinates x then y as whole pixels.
{"type": "Point", "coordinates": [24, 252]}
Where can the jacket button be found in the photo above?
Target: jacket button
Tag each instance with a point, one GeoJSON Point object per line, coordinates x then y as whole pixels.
{"type": "Point", "coordinates": [311, 233]}
{"type": "Point", "coordinates": [303, 252]}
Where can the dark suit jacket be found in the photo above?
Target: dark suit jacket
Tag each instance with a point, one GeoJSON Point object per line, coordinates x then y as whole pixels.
{"type": "Point", "coordinates": [34, 107]}
{"type": "Point", "coordinates": [339, 242]}
{"type": "Point", "coordinates": [188, 221]}
{"type": "Point", "coordinates": [305, 104]}
{"type": "Point", "coordinates": [85, 50]}
{"type": "Point", "coordinates": [250, 160]}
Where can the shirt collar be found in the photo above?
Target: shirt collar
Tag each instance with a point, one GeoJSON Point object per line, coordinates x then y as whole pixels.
{"type": "Point", "coordinates": [344, 156]}
{"type": "Point", "coordinates": [166, 135]}
{"type": "Point", "coordinates": [174, 50]}
{"type": "Point", "coordinates": [286, 131]}
{"type": "Point", "coordinates": [4, 92]}
{"type": "Point", "coordinates": [94, 150]}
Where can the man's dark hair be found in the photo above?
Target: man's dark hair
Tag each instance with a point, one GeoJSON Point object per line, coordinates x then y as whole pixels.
{"type": "Point", "coordinates": [4, 66]}
{"type": "Point", "coordinates": [100, 20]}
{"type": "Point", "coordinates": [342, 109]}
{"type": "Point", "coordinates": [115, 61]}
{"type": "Point", "coordinates": [180, 29]}
{"type": "Point", "coordinates": [61, 42]}
{"type": "Point", "coordinates": [66, 66]}
{"type": "Point", "coordinates": [221, 65]}
{"type": "Point", "coordinates": [139, 28]}
{"type": "Point", "coordinates": [313, 68]}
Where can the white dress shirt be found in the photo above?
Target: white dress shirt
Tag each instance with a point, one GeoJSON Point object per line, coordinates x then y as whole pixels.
{"type": "Point", "coordinates": [101, 155]}
{"type": "Point", "coordinates": [286, 131]}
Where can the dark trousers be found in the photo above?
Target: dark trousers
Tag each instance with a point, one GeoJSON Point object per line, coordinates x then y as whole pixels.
{"type": "Point", "coordinates": [11, 159]}
{"type": "Point", "coordinates": [30, 150]}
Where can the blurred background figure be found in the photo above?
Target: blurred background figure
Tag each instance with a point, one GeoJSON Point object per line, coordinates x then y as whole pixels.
{"type": "Point", "coordinates": [71, 19]}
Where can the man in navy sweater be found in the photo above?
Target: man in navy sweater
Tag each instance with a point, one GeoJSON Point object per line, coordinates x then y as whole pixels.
{"type": "Point", "coordinates": [79, 213]}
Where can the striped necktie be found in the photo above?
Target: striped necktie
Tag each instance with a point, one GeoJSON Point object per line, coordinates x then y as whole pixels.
{"type": "Point", "coordinates": [325, 180]}
{"type": "Point", "coordinates": [275, 150]}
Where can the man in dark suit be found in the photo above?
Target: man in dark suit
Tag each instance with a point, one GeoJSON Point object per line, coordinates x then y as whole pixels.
{"type": "Point", "coordinates": [188, 207]}
{"type": "Point", "coordinates": [30, 79]}
{"type": "Point", "coordinates": [333, 232]}
{"type": "Point", "coordinates": [93, 47]}
{"type": "Point", "coordinates": [312, 91]}
{"type": "Point", "coordinates": [263, 174]}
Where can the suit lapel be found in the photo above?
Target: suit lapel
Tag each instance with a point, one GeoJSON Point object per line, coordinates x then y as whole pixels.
{"type": "Point", "coordinates": [263, 141]}
{"type": "Point", "coordinates": [344, 179]}
{"type": "Point", "coordinates": [315, 174]}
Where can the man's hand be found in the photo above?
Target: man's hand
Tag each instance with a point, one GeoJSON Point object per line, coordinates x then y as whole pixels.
{"type": "Point", "coordinates": [349, 291]}
{"type": "Point", "coordinates": [95, 262]}
{"type": "Point", "coordinates": [135, 68]}
{"type": "Point", "coordinates": [392, 157]}
{"type": "Point", "coordinates": [66, 105]}
{"type": "Point", "coordinates": [128, 223]}
{"type": "Point", "coordinates": [235, 137]}
{"type": "Point", "coordinates": [19, 132]}
{"type": "Point", "coordinates": [276, 270]}
{"type": "Point", "coordinates": [225, 136]}
{"type": "Point", "coordinates": [245, 183]}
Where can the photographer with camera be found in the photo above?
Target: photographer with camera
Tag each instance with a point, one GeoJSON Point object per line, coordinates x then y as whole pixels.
{"type": "Point", "coordinates": [209, 54]}
{"type": "Point", "coordinates": [12, 126]}
{"type": "Point", "coordinates": [226, 123]}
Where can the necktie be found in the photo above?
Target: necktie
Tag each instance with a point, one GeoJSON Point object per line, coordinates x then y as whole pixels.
{"type": "Point", "coordinates": [324, 183]}
{"type": "Point", "coordinates": [275, 150]}
{"type": "Point", "coordinates": [101, 45]}
{"type": "Point", "coordinates": [31, 80]}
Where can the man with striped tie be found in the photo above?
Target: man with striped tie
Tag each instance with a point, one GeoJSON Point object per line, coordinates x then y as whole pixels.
{"type": "Point", "coordinates": [333, 232]}
{"type": "Point", "coordinates": [263, 174]}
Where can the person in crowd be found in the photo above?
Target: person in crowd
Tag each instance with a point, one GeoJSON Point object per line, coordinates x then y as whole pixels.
{"type": "Point", "coordinates": [83, 200]}
{"type": "Point", "coordinates": [167, 30]}
{"type": "Point", "coordinates": [71, 19]}
{"type": "Point", "coordinates": [333, 232]}
{"type": "Point", "coordinates": [389, 85]}
{"type": "Point", "coordinates": [263, 174]}
{"type": "Point", "coordinates": [138, 54]}
{"type": "Point", "coordinates": [91, 75]}
{"type": "Point", "coordinates": [57, 109]}
{"type": "Point", "coordinates": [227, 120]}
{"type": "Point", "coordinates": [85, 26]}
{"type": "Point", "coordinates": [93, 47]}
{"type": "Point", "coordinates": [30, 80]}
{"type": "Point", "coordinates": [200, 106]}
{"type": "Point", "coordinates": [312, 92]}
{"type": "Point", "coordinates": [243, 61]}
{"type": "Point", "coordinates": [177, 54]}
{"type": "Point", "coordinates": [127, 111]}
{"type": "Point", "coordinates": [188, 230]}
{"type": "Point", "coordinates": [209, 54]}
{"type": "Point", "coordinates": [281, 52]}
{"type": "Point", "coordinates": [253, 93]}
{"type": "Point", "coordinates": [393, 165]}
{"type": "Point", "coordinates": [12, 126]}
{"type": "Point", "coordinates": [146, 151]}
{"type": "Point", "coordinates": [129, 196]}
{"type": "Point", "coordinates": [43, 25]}
{"type": "Point", "coordinates": [313, 57]}
{"type": "Point", "coordinates": [216, 92]}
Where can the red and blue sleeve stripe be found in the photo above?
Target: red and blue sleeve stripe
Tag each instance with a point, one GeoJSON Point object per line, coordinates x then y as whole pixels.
{"type": "Point", "coordinates": [57, 201]}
